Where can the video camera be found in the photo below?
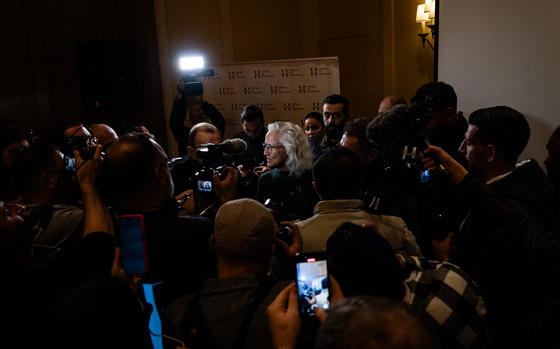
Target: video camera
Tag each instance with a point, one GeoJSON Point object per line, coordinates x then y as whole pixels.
{"type": "Point", "coordinates": [215, 159]}
{"type": "Point", "coordinates": [190, 83]}
{"type": "Point", "coordinates": [399, 134]}
{"type": "Point", "coordinates": [400, 137]}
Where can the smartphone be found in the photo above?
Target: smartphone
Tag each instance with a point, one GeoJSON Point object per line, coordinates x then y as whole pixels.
{"type": "Point", "coordinates": [312, 283]}
{"type": "Point", "coordinates": [132, 236]}
{"type": "Point", "coordinates": [425, 176]}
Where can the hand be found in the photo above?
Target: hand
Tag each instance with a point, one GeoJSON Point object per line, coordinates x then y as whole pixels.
{"type": "Point", "coordinates": [226, 189]}
{"type": "Point", "coordinates": [283, 318]}
{"type": "Point", "coordinates": [456, 171]}
{"type": "Point", "coordinates": [259, 170]}
{"type": "Point", "coordinates": [10, 216]}
{"type": "Point", "coordinates": [87, 170]}
{"type": "Point", "coordinates": [242, 171]}
{"type": "Point", "coordinates": [186, 199]}
{"type": "Point", "coordinates": [336, 297]}
{"type": "Point", "coordinates": [297, 241]}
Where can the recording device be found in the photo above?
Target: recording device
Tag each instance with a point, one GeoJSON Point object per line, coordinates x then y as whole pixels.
{"type": "Point", "coordinates": [215, 154]}
{"type": "Point", "coordinates": [69, 164]}
{"type": "Point", "coordinates": [400, 137]}
{"type": "Point", "coordinates": [190, 84]}
{"type": "Point", "coordinates": [285, 234]}
{"type": "Point", "coordinates": [132, 236]}
{"type": "Point", "coordinates": [85, 145]}
{"type": "Point", "coordinates": [215, 159]}
{"type": "Point", "coordinates": [401, 140]}
{"type": "Point", "coordinates": [312, 283]}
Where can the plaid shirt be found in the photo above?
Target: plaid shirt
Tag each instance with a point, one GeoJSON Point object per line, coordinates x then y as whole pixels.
{"type": "Point", "coordinates": [448, 296]}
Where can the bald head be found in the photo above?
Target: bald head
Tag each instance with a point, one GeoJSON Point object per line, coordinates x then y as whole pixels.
{"type": "Point", "coordinates": [389, 102]}
{"type": "Point", "coordinates": [136, 169]}
{"type": "Point", "coordinates": [104, 134]}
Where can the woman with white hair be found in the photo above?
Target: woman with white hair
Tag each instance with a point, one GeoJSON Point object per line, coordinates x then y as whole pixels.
{"type": "Point", "coordinates": [287, 186]}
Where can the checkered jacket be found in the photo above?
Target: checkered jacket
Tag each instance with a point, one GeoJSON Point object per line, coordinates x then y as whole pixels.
{"type": "Point", "coordinates": [445, 293]}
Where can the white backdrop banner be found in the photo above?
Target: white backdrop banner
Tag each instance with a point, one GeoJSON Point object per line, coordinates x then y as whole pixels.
{"type": "Point", "coordinates": [285, 90]}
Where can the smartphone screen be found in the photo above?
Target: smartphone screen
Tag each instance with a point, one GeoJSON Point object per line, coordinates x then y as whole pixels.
{"type": "Point", "coordinates": [132, 240]}
{"type": "Point", "coordinates": [205, 186]}
{"type": "Point", "coordinates": [312, 284]}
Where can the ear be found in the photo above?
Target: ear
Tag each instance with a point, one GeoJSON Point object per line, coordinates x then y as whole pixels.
{"type": "Point", "coordinates": [192, 152]}
{"type": "Point", "coordinates": [491, 153]}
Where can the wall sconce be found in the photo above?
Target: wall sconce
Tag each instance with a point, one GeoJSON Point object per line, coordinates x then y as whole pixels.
{"type": "Point", "coordinates": [426, 16]}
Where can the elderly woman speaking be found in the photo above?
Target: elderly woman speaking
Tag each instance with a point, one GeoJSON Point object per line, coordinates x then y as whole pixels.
{"type": "Point", "coordinates": [287, 186]}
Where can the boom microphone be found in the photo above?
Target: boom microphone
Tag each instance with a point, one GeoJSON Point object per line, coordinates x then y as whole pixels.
{"type": "Point", "coordinates": [228, 147]}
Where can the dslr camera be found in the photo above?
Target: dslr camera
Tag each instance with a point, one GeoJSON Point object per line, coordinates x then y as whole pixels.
{"type": "Point", "coordinates": [84, 144]}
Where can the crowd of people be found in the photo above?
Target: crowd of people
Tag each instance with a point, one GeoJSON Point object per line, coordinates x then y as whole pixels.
{"type": "Point", "coordinates": [435, 234]}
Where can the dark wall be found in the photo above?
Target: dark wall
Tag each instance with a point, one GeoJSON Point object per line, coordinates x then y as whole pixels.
{"type": "Point", "coordinates": [88, 60]}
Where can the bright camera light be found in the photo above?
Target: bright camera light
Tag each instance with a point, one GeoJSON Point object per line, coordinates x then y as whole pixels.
{"type": "Point", "coordinates": [192, 62]}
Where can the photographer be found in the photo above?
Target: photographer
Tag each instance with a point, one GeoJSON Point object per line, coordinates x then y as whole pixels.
{"type": "Point", "coordinates": [43, 179]}
{"type": "Point", "coordinates": [72, 301]}
{"type": "Point", "coordinates": [183, 169]}
{"type": "Point", "coordinates": [427, 202]}
{"type": "Point", "coordinates": [190, 102]}
{"type": "Point", "coordinates": [137, 180]}
{"type": "Point", "coordinates": [513, 260]}
{"type": "Point", "coordinates": [442, 125]}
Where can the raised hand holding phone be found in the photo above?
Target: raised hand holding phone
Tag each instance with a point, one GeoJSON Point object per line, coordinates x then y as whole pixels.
{"type": "Point", "coordinates": [312, 283]}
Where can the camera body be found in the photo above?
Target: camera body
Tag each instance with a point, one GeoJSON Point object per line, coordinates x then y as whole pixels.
{"type": "Point", "coordinates": [191, 84]}
{"type": "Point", "coordinates": [402, 155]}
{"type": "Point", "coordinates": [85, 145]}
{"type": "Point", "coordinates": [214, 162]}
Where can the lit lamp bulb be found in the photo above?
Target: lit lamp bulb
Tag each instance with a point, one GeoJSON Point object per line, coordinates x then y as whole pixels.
{"type": "Point", "coordinates": [422, 16]}
{"type": "Point", "coordinates": [428, 5]}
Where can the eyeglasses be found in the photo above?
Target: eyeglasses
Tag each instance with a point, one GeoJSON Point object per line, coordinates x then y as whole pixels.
{"type": "Point", "coordinates": [268, 146]}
